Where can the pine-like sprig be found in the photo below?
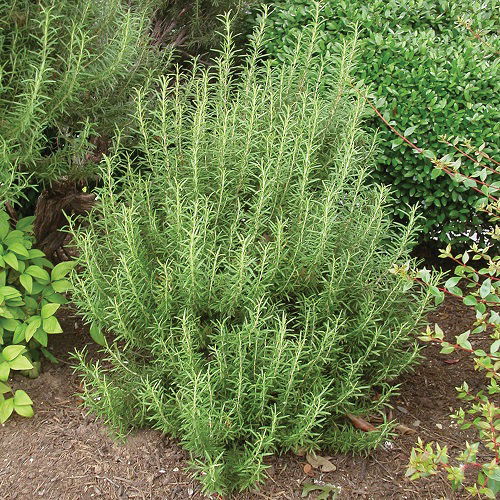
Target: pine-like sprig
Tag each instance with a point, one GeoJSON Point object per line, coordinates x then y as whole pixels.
{"type": "Point", "coordinates": [241, 266]}
{"type": "Point", "coordinates": [66, 72]}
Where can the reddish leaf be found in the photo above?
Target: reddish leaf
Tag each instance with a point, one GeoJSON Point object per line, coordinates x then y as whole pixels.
{"type": "Point", "coordinates": [359, 423]}
{"type": "Point", "coordinates": [308, 469]}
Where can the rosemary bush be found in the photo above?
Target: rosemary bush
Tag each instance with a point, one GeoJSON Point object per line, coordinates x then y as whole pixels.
{"type": "Point", "coordinates": [66, 71]}
{"type": "Point", "coordinates": [239, 269]}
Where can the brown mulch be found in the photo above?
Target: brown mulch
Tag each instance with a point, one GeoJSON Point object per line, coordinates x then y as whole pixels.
{"type": "Point", "coordinates": [63, 453]}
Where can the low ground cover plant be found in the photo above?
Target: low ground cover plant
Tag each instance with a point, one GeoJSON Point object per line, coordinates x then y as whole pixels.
{"type": "Point", "coordinates": [31, 291]}
{"type": "Point", "coordinates": [238, 273]}
{"type": "Point", "coordinates": [432, 69]}
{"type": "Point", "coordinates": [476, 281]}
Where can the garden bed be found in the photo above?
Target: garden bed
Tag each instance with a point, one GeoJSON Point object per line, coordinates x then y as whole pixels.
{"type": "Point", "coordinates": [63, 453]}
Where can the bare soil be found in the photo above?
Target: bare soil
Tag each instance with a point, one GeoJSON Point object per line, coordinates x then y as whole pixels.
{"type": "Point", "coordinates": [64, 453]}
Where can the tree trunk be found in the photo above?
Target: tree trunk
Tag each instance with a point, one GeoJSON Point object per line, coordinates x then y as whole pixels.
{"type": "Point", "coordinates": [61, 199]}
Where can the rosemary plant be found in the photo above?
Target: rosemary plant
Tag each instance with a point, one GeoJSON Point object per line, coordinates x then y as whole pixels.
{"type": "Point", "coordinates": [66, 71]}
{"type": "Point", "coordinates": [238, 272]}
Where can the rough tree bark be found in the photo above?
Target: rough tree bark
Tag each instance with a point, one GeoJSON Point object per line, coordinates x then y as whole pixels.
{"type": "Point", "coordinates": [54, 204]}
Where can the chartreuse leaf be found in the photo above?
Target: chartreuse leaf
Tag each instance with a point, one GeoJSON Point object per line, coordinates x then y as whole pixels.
{"type": "Point", "coordinates": [51, 325]}
{"type": "Point", "coordinates": [61, 286]}
{"type": "Point", "coordinates": [61, 270]}
{"type": "Point", "coordinates": [19, 333]}
{"type": "Point", "coordinates": [41, 336]}
{"type": "Point", "coordinates": [4, 228]}
{"type": "Point", "coordinates": [49, 310]}
{"type": "Point", "coordinates": [12, 351]}
{"type": "Point", "coordinates": [39, 274]}
{"type": "Point", "coordinates": [21, 363]}
{"type": "Point", "coordinates": [13, 236]}
{"type": "Point", "coordinates": [21, 398]}
{"type": "Point", "coordinates": [9, 324]}
{"type": "Point", "coordinates": [32, 327]}
{"type": "Point", "coordinates": [27, 281]}
{"type": "Point", "coordinates": [42, 262]}
{"type": "Point", "coordinates": [34, 253]}
{"type": "Point", "coordinates": [9, 292]}
{"type": "Point", "coordinates": [18, 248]}
{"type": "Point", "coordinates": [56, 298]}
{"type": "Point", "coordinates": [6, 409]}
{"type": "Point", "coordinates": [11, 259]}
{"type": "Point", "coordinates": [4, 370]}
{"type": "Point", "coordinates": [4, 388]}
{"type": "Point", "coordinates": [96, 334]}
{"type": "Point", "coordinates": [24, 410]}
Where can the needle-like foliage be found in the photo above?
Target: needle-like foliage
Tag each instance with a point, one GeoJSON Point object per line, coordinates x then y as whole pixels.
{"type": "Point", "coordinates": [66, 71]}
{"type": "Point", "coordinates": [240, 267]}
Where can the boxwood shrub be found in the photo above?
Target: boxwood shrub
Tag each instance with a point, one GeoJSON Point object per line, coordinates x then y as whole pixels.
{"type": "Point", "coordinates": [428, 75]}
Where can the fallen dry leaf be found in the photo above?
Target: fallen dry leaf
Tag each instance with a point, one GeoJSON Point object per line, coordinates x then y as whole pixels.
{"type": "Point", "coordinates": [308, 469]}
{"type": "Point", "coordinates": [321, 463]}
{"type": "Point", "coordinates": [359, 423]}
{"type": "Point", "coordinates": [403, 429]}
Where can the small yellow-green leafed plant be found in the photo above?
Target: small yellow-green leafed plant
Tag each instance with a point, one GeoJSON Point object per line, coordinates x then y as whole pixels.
{"type": "Point", "coordinates": [476, 281]}
{"type": "Point", "coordinates": [31, 291]}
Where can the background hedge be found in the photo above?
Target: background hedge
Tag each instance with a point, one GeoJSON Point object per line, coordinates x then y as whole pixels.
{"type": "Point", "coordinates": [428, 75]}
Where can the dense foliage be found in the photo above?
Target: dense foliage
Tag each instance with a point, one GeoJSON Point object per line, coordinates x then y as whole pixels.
{"type": "Point", "coordinates": [240, 268]}
{"type": "Point", "coordinates": [29, 297]}
{"type": "Point", "coordinates": [66, 70]}
{"type": "Point", "coordinates": [430, 73]}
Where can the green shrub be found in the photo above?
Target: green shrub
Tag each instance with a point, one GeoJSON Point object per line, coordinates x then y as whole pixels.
{"type": "Point", "coordinates": [29, 297]}
{"type": "Point", "coordinates": [428, 75]}
{"type": "Point", "coordinates": [241, 268]}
